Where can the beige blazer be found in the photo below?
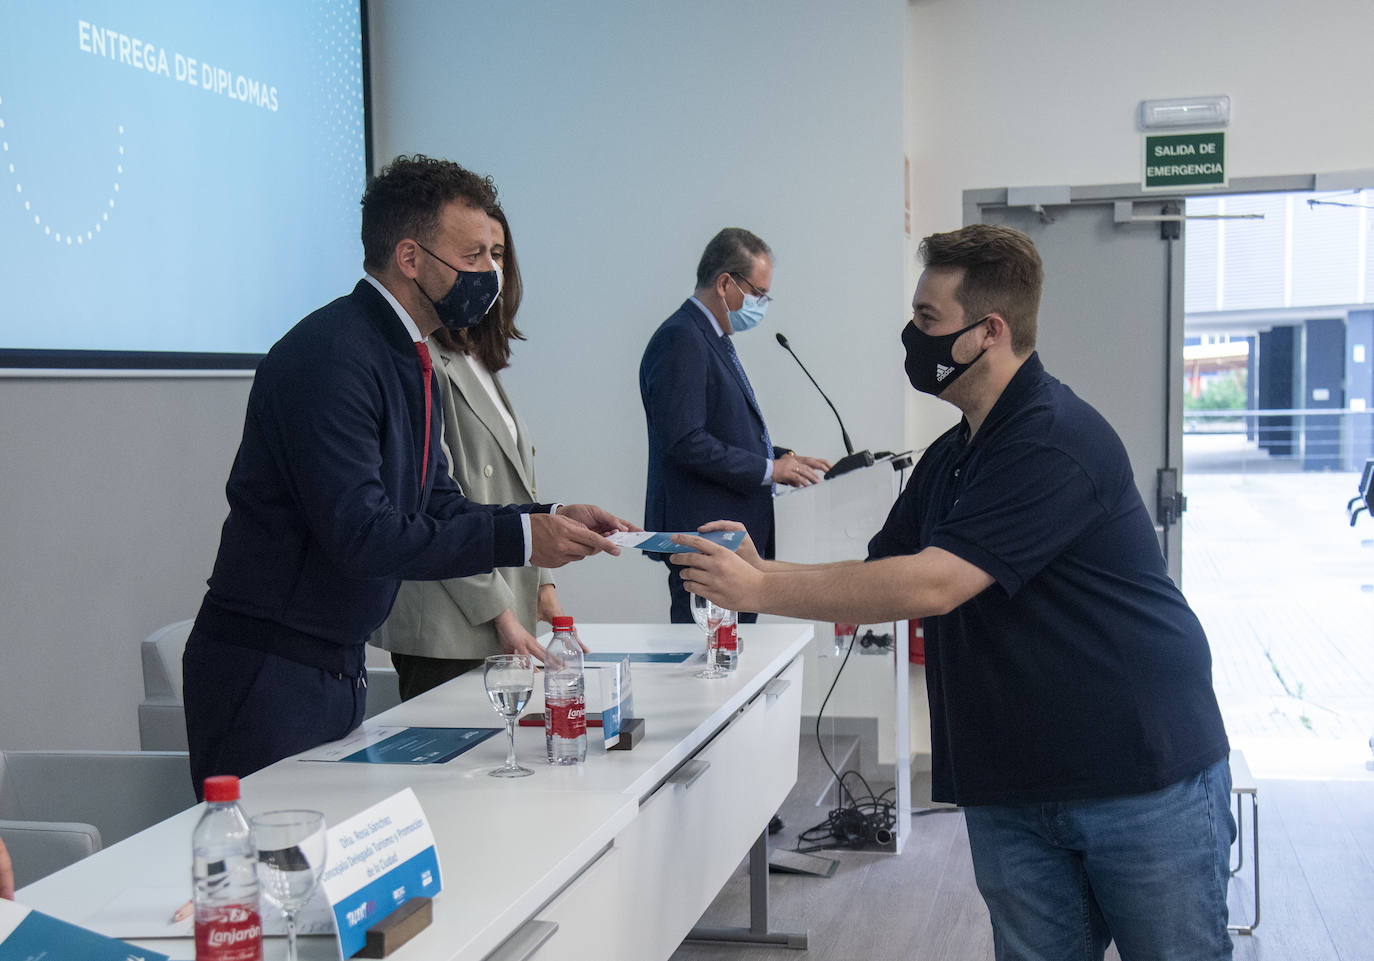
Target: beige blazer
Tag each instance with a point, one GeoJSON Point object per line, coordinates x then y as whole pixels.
{"type": "Point", "coordinates": [452, 618]}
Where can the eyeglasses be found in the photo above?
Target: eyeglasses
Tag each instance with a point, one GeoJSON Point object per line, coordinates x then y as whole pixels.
{"type": "Point", "coordinates": [763, 297]}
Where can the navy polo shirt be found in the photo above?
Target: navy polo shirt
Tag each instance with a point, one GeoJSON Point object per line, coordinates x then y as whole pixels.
{"type": "Point", "coordinates": [1081, 672]}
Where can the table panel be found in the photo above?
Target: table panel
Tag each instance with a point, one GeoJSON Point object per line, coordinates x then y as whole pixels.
{"type": "Point", "coordinates": [508, 848]}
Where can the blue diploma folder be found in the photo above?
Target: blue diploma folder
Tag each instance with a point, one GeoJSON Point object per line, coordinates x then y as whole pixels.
{"type": "Point", "coordinates": [423, 745]}
{"type": "Point", "coordinates": [41, 936]}
{"type": "Point", "coordinates": [660, 544]}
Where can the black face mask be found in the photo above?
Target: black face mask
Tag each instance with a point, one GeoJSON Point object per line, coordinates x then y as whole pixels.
{"type": "Point", "coordinates": [470, 297]}
{"type": "Point", "coordinates": [930, 364]}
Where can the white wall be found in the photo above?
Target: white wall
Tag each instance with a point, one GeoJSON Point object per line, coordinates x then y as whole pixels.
{"type": "Point", "coordinates": [622, 136]}
{"type": "Point", "coordinates": [113, 498]}
{"type": "Point", "coordinates": [1018, 94]}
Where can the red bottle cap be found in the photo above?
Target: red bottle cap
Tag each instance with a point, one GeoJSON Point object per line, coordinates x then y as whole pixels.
{"type": "Point", "coordinates": [222, 787]}
{"type": "Point", "coordinates": [562, 624]}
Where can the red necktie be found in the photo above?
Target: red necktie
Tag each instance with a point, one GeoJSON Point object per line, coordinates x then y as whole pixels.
{"type": "Point", "coordinates": [426, 366]}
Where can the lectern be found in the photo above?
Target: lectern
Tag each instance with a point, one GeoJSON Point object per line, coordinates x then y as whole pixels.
{"type": "Point", "coordinates": [833, 521]}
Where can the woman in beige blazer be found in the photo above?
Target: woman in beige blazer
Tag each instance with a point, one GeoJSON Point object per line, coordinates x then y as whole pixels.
{"type": "Point", "coordinates": [438, 630]}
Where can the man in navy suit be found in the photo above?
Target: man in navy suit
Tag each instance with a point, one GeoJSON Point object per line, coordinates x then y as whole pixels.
{"type": "Point", "coordinates": [710, 454]}
{"type": "Point", "coordinates": [340, 491]}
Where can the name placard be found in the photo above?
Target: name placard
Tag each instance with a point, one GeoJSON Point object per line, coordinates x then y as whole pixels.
{"type": "Point", "coordinates": [609, 695]}
{"type": "Point", "coordinates": [378, 860]}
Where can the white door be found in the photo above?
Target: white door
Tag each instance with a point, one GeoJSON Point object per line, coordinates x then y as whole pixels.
{"type": "Point", "coordinates": [1111, 326]}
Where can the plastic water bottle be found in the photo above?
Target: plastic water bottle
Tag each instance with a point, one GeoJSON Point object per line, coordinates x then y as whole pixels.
{"type": "Point", "coordinates": [224, 878]}
{"type": "Point", "coordinates": [565, 697]}
{"type": "Point", "coordinates": [844, 637]}
{"type": "Point", "coordinates": [727, 642]}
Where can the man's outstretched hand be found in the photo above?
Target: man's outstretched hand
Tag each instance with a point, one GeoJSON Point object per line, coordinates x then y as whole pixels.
{"type": "Point", "coordinates": [573, 533]}
{"type": "Point", "coordinates": [719, 574]}
{"type": "Point", "coordinates": [559, 540]}
{"type": "Point", "coordinates": [596, 519]}
{"type": "Point", "coordinates": [746, 549]}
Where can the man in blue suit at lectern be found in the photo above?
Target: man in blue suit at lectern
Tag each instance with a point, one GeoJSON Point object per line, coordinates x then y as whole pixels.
{"type": "Point", "coordinates": [710, 454]}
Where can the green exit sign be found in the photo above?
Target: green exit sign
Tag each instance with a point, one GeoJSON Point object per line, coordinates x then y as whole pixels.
{"type": "Point", "coordinates": [1175, 160]}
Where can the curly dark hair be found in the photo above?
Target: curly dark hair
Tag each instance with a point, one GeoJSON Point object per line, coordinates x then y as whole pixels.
{"type": "Point", "coordinates": [1002, 274]}
{"type": "Point", "coordinates": [490, 340]}
{"type": "Point", "coordinates": [406, 198]}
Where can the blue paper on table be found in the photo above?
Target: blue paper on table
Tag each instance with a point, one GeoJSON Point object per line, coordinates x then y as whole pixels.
{"type": "Point", "coordinates": [659, 543]}
{"type": "Point", "coordinates": [640, 657]}
{"type": "Point", "coordinates": [38, 936]}
{"type": "Point", "coordinates": [423, 745]}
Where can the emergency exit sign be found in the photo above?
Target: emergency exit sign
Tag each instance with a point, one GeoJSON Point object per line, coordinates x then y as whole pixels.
{"type": "Point", "coordinates": [1185, 160]}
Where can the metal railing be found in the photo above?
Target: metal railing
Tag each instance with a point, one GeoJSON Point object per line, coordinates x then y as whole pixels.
{"type": "Point", "coordinates": [1275, 440]}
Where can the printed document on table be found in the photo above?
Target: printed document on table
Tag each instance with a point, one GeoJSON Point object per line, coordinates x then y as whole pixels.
{"type": "Point", "coordinates": [145, 913]}
{"type": "Point", "coordinates": [638, 657]}
{"type": "Point", "coordinates": [385, 744]}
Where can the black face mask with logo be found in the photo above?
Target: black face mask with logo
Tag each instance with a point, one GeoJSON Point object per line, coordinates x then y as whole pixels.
{"type": "Point", "coordinates": [930, 364]}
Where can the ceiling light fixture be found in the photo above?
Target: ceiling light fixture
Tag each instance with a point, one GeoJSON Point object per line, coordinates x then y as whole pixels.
{"type": "Point", "coordinates": [1213, 112]}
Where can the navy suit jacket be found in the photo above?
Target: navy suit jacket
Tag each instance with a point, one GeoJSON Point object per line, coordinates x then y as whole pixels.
{"type": "Point", "coordinates": [707, 452]}
{"type": "Point", "coordinates": [330, 503]}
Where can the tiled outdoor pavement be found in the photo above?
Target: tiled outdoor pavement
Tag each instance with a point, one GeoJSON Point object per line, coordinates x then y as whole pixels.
{"type": "Point", "coordinates": [1285, 588]}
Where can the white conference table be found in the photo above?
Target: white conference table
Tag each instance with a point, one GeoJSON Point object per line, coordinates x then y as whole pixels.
{"type": "Point", "coordinates": [618, 856]}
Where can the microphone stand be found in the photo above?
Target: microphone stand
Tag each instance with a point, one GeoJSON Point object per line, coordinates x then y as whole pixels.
{"type": "Point", "coordinates": [852, 459]}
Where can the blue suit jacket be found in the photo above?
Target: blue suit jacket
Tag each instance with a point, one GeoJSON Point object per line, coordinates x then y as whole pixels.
{"type": "Point", "coordinates": [707, 452]}
{"type": "Point", "coordinates": [330, 504]}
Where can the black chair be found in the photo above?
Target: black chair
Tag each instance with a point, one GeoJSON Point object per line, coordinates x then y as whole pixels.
{"type": "Point", "coordinates": [1362, 502]}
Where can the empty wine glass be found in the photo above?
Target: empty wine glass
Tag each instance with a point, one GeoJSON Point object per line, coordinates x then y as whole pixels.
{"type": "Point", "coordinates": [708, 617]}
{"type": "Point", "coordinates": [292, 846]}
{"type": "Point", "coordinates": [510, 681]}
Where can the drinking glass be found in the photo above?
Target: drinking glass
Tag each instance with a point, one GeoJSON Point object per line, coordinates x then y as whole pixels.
{"type": "Point", "coordinates": [510, 681]}
{"type": "Point", "coordinates": [708, 617]}
{"type": "Point", "coordinates": [291, 852]}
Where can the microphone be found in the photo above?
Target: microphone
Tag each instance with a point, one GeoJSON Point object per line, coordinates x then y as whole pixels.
{"type": "Point", "coordinates": [851, 460]}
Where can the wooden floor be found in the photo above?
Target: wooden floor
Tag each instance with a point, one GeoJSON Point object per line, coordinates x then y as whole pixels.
{"type": "Point", "coordinates": [1316, 863]}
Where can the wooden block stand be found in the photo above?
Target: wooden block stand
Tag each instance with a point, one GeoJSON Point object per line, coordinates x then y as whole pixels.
{"type": "Point", "coordinates": [397, 928]}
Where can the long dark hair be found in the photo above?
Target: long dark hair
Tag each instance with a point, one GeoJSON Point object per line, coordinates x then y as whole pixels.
{"type": "Point", "coordinates": [490, 340]}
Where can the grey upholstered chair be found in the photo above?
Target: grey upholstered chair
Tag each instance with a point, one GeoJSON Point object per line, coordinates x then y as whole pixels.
{"type": "Point", "coordinates": [56, 807]}
{"type": "Point", "coordinates": [161, 716]}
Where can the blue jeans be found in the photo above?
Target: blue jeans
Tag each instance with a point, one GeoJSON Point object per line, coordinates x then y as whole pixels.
{"type": "Point", "coordinates": [1063, 879]}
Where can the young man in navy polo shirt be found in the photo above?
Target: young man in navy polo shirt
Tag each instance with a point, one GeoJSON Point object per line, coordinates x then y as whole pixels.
{"type": "Point", "coordinates": [1072, 712]}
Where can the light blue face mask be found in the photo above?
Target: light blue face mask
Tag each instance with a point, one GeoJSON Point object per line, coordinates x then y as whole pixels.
{"type": "Point", "coordinates": [750, 312]}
